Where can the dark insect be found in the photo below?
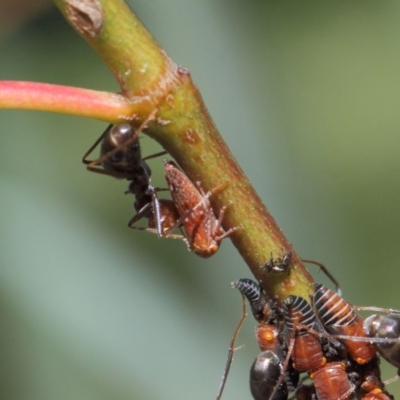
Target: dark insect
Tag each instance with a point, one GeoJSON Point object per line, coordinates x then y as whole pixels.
{"type": "Point", "coordinates": [385, 327]}
{"type": "Point", "coordinates": [279, 265]}
{"type": "Point", "coordinates": [283, 265]}
{"type": "Point", "coordinates": [264, 375]}
{"type": "Point", "coordinates": [120, 157]}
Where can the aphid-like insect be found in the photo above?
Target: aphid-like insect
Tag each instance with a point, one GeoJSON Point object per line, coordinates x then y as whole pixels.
{"type": "Point", "coordinates": [373, 389]}
{"type": "Point", "coordinates": [332, 383]}
{"type": "Point", "coordinates": [262, 308]}
{"type": "Point", "coordinates": [367, 377]}
{"type": "Point", "coordinates": [120, 157]}
{"type": "Point", "coordinates": [377, 394]}
{"type": "Point", "coordinates": [203, 230]}
{"type": "Point", "coordinates": [340, 318]}
{"type": "Point", "coordinates": [307, 351]}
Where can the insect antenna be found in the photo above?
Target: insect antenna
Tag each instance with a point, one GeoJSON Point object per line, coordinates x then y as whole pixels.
{"type": "Point", "coordinates": [232, 350]}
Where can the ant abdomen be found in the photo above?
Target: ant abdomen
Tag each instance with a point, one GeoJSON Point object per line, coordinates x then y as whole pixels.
{"type": "Point", "coordinates": [385, 327]}
{"type": "Point", "coordinates": [264, 375]}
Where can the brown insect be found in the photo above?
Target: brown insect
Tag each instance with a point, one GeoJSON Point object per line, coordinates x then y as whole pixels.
{"type": "Point", "coordinates": [332, 383]}
{"type": "Point", "coordinates": [340, 318]}
{"type": "Point", "coordinates": [203, 230]}
{"type": "Point", "coordinates": [307, 352]}
{"type": "Point", "coordinates": [374, 389]}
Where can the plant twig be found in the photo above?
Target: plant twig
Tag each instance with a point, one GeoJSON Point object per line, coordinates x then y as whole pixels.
{"type": "Point", "coordinates": [65, 99]}
{"type": "Point", "coordinates": [150, 80]}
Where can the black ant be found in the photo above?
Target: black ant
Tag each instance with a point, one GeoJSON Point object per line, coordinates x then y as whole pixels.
{"type": "Point", "coordinates": [120, 157]}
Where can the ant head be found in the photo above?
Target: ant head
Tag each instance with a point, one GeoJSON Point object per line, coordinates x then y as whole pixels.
{"type": "Point", "coordinates": [125, 138]}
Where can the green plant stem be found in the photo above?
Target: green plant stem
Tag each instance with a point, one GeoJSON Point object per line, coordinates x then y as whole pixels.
{"type": "Point", "coordinates": [184, 128]}
{"type": "Point", "coordinates": [136, 60]}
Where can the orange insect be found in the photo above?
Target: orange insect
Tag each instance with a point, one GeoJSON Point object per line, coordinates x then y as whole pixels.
{"type": "Point", "coordinates": [376, 394]}
{"type": "Point", "coordinates": [203, 230]}
{"type": "Point", "coordinates": [374, 389]}
{"type": "Point", "coordinates": [307, 352]}
{"type": "Point", "coordinates": [367, 378]}
{"type": "Point", "coordinates": [332, 383]}
{"type": "Point", "coordinates": [340, 318]}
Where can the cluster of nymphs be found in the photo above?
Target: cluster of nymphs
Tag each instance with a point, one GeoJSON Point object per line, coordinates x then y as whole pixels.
{"type": "Point", "coordinates": [189, 210]}
{"type": "Point", "coordinates": [324, 338]}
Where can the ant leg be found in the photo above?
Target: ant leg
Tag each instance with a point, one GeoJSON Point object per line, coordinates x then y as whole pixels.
{"type": "Point", "coordinates": [92, 163]}
{"type": "Point", "coordinates": [161, 153]}
{"type": "Point", "coordinates": [142, 213]}
{"type": "Point", "coordinates": [391, 380]}
{"type": "Point", "coordinates": [156, 211]}
{"type": "Point", "coordinates": [154, 232]}
{"type": "Point", "coordinates": [232, 350]}
{"type": "Point", "coordinates": [327, 273]}
{"type": "Point", "coordinates": [390, 311]}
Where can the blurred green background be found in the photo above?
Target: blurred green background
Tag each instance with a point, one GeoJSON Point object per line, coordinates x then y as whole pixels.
{"type": "Point", "coordinates": [306, 94]}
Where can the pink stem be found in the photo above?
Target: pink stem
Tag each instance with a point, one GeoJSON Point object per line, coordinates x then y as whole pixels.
{"type": "Point", "coordinates": [105, 106]}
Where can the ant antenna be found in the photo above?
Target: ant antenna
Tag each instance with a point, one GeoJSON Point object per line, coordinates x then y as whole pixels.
{"type": "Point", "coordinates": [232, 350]}
{"type": "Point", "coordinates": [326, 271]}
